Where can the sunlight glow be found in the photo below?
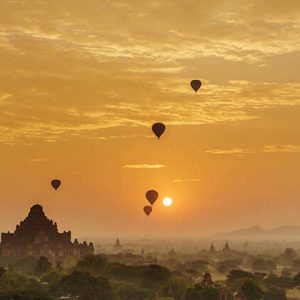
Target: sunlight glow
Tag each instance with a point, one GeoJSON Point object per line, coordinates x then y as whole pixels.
{"type": "Point", "coordinates": [167, 201]}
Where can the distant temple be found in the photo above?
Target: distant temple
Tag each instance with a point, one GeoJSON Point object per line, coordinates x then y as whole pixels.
{"type": "Point", "coordinates": [117, 247]}
{"type": "Point", "coordinates": [227, 248]}
{"type": "Point", "coordinates": [207, 280]}
{"type": "Point", "coordinates": [38, 236]}
{"type": "Point", "coordinates": [212, 248]}
{"type": "Point", "coordinates": [172, 253]}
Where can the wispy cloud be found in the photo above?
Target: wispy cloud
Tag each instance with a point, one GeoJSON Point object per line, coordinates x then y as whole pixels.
{"type": "Point", "coordinates": [144, 166]}
{"type": "Point", "coordinates": [189, 180]}
{"type": "Point", "coordinates": [268, 149]}
{"type": "Point", "coordinates": [281, 149]}
{"type": "Point", "coordinates": [141, 72]}
{"type": "Point", "coordinates": [230, 151]}
{"type": "Point", "coordinates": [4, 96]}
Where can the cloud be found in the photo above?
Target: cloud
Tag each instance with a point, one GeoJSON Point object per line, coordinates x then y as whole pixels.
{"type": "Point", "coordinates": [247, 32]}
{"type": "Point", "coordinates": [281, 149]}
{"type": "Point", "coordinates": [230, 151]}
{"type": "Point", "coordinates": [236, 101]}
{"type": "Point", "coordinates": [144, 166]}
{"type": "Point", "coordinates": [68, 73]}
{"type": "Point", "coordinates": [189, 180]}
{"type": "Point", "coordinates": [3, 97]}
{"type": "Point", "coordinates": [268, 149]}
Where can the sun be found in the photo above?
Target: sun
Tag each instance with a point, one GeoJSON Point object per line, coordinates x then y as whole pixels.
{"type": "Point", "coordinates": [167, 201]}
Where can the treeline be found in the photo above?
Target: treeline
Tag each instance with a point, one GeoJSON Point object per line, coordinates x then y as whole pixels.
{"type": "Point", "coordinates": [94, 277]}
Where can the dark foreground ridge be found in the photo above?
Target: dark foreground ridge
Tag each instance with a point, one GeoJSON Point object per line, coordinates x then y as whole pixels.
{"type": "Point", "coordinates": [38, 236]}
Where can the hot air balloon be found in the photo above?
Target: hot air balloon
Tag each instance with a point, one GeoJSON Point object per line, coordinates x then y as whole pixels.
{"type": "Point", "coordinates": [158, 129]}
{"type": "Point", "coordinates": [196, 84]}
{"type": "Point", "coordinates": [55, 183]}
{"type": "Point", "coordinates": [147, 210]}
{"type": "Point", "coordinates": [152, 196]}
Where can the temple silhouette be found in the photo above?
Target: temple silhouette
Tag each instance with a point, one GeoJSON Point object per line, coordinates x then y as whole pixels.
{"type": "Point", "coordinates": [38, 236]}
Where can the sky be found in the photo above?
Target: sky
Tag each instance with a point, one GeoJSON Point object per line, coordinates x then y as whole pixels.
{"type": "Point", "coordinates": [81, 83]}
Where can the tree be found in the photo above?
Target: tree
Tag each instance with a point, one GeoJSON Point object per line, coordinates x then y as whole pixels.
{"type": "Point", "coordinates": [198, 292]}
{"type": "Point", "coordinates": [153, 275]}
{"type": "Point", "coordinates": [86, 286]}
{"type": "Point", "coordinates": [13, 281]}
{"type": "Point", "coordinates": [259, 276]}
{"type": "Point", "coordinates": [252, 290]}
{"type": "Point", "coordinates": [53, 279]}
{"type": "Point", "coordinates": [93, 264]}
{"type": "Point", "coordinates": [200, 265]}
{"type": "Point", "coordinates": [129, 292]}
{"type": "Point", "coordinates": [175, 288]}
{"type": "Point", "coordinates": [221, 268]}
{"type": "Point", "coordinates": [2, 271]}
{"type": "Point", "coordinates": [239, 274]}
{"type": "Point", "coordinates": [290, 253]}
{"type": "Point", "coordinates": [296, 263]}
{"type": "Point", "coordinates": [26, 264]}
{"type": "Point", "coordinates": [26, 294]}
{"type": "Point", "coordinates": [20, 287]}
{"type": "Point", "coordinates": [209, 293]}
{"type": "Point", "coordinates": [193, 293]}
{"type": "Point", "coordinates": [286, 272]}
{"type": "Point", "coordinates": [288, 256]}
{"type": "Point", "coordinates": [227, 264]}
{"type": "Point", "coordinates": [296, 279]}
{"type": "Point", "coordinates": [261, 264]}
{"type": "Point", "coordinates": [281, 282]}
{"type": "Point", "coordinates": [43, 265]}
{"type": "Point", "coordinates": [275, 294]}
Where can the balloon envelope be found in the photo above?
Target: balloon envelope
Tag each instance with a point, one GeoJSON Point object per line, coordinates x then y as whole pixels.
{"type": "Point", "coordinates": [196, 84]}
{"type": "Point", "coordinates": [152, 196]}
{"type": "Point", "coordinates": [147, 210]}
{"type": "Point", "coordinates": [158, 129]}
{"type": "Point", "coordinates": [55, 183]}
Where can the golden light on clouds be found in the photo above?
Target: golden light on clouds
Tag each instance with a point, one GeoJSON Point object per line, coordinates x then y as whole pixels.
{"type": "Point", "coordinates": [81, 83]}
{"type": "Point", "coordinates": [187, 180]}
{"type": "Point", "coordinates": [144, 166]}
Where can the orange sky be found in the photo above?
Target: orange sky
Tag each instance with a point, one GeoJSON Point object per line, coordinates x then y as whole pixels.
{"type": "Point", "coordinates": [81, 83]}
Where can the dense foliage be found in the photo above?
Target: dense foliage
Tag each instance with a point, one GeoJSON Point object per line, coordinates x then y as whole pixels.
{"type": "Point", "coordinates": [126, 277]}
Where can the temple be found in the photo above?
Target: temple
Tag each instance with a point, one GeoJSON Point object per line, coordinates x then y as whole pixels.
{"type": "Point", "coordinates": [226, 248]}
{"type": "Point", "coordinates": [212, 248]}
{"type": "Point", "coordinates": [117, 246]}
{"type": "Point", "coordinates": [208, 282]}
{"type": "Point", "coordinates": [38, 236]}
